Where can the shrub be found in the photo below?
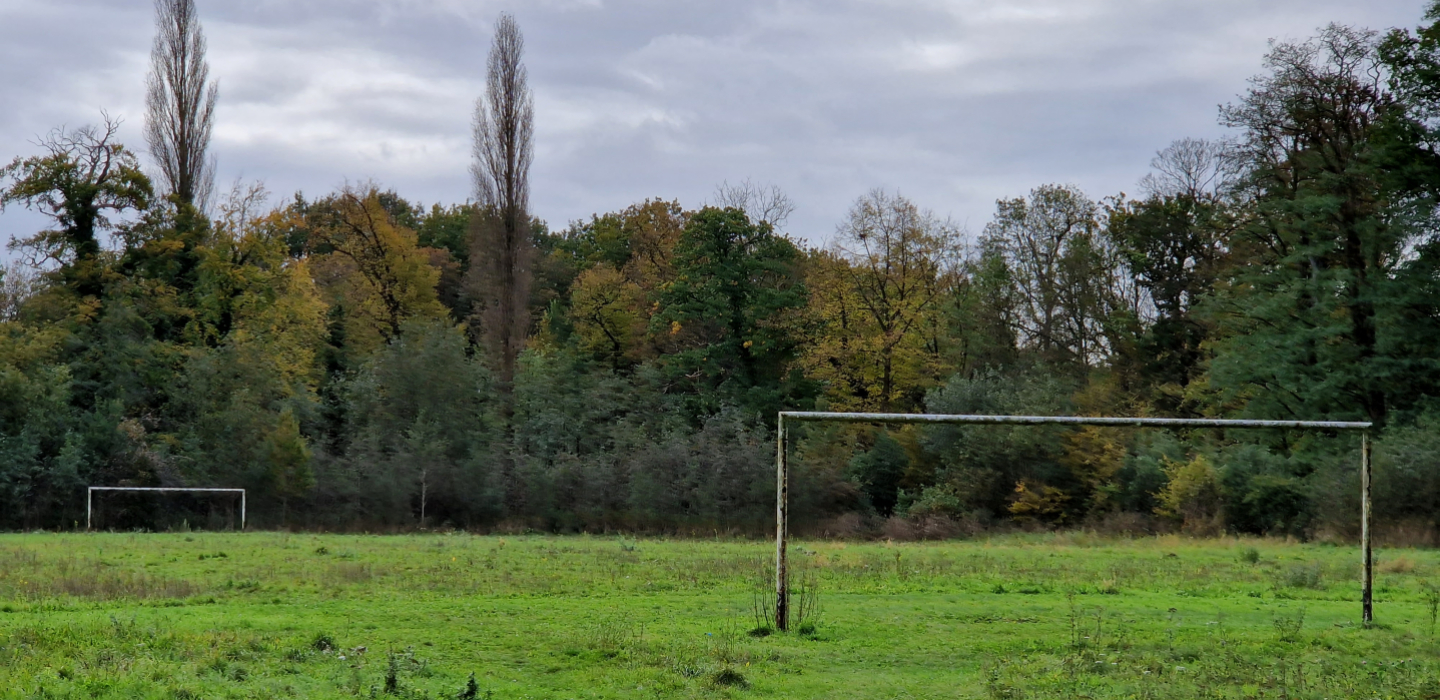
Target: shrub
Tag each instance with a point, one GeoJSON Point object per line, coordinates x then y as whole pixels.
{"type": "Point", "coordinates": [729, 677]}
{"type": "Point", "coordinates": [1303, 576]}
{"type": "Point", "coordinates": [471, 691]}
{"type": "Point", "coordinates": [1192, 495]}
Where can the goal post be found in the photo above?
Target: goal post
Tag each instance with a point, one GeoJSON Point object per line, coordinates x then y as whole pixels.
{"type": "Point", "coordinates": [782, 475]}
{"type": "Point", "coordinates": [90, 497]}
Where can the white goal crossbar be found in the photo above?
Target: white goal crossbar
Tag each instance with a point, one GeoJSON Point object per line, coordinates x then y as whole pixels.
{"type": "Point", "coordinates": [782, 476]}
{"type": "Point", "coordinates": [90, 497]}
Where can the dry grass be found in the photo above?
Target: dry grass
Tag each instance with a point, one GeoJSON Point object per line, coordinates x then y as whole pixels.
{"type": "Point", "coordinates": [26, 575]}
{"type": "Point", "coordinates": [349, 572]}
{"type": "Point", "coordinates": [1397, 565]}
{"type": "Point", "coordinates": [1405, 534]}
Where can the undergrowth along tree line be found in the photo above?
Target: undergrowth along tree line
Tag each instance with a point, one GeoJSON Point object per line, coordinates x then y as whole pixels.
{"type": "Point", "coordinates": [359, 360]}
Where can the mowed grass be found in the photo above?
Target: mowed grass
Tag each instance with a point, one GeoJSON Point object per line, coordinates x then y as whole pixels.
{"type": "Point", "coordinates": [273, 615]}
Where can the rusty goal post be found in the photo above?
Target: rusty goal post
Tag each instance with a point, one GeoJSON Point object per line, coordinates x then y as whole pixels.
{"type": "Point", "coordinates": [782, 475]}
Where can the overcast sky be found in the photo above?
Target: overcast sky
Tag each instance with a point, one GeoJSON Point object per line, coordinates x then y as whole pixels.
{"type": "Point", "coordinates": [952, 103]}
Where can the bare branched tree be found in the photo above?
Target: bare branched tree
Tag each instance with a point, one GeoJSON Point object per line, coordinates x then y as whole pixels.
{"type": "Point", "coordinates": [1200, 169]}
{"type": "Point", "coordinates": [501, 248]}
{"type": "Point", "coordinates": [1065, 276]}
{"type": "Point", "coordinates": [180, 103]}
{"type": "Point", "coordinates": [238, 210]}
{"type": "Point", "coordinates": [763, 204]}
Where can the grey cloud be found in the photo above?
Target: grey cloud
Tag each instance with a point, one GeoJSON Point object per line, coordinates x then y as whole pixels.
{"type": "Point", "coordinates": [952, 103]}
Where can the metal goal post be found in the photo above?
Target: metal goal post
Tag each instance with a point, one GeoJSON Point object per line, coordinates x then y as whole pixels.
{"type": "Point", "coordinates": [90, 497]}
{"type": "Point", "coordinates": [782, 476]}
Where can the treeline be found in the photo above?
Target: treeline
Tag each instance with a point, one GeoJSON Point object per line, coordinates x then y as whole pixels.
{"type": "Point", "coordinates": [361, 361]}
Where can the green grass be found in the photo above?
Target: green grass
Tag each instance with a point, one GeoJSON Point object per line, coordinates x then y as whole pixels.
{"type": "Point", "coordinates": [271, 615]}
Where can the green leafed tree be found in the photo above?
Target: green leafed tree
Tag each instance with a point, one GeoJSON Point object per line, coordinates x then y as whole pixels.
{"type": "Point", "coordinates": [1317, 321]}
{"type": "Point", "coordinates": [289, 471]}
{"type": "Point", "coordinates": [82, 181]}
{"type": "Point", "coordinates": [1175, 243]}
{"type": "Point", "coordinates": [727, 315]}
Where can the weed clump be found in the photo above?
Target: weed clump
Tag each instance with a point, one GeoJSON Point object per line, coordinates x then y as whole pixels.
{"type": "Point", "coordinates": [323, 643]}
{"type": "Point", "coordinates": [613, 638]}
{"type": "Point", "coordinates": [804, 596]}
{"type": "Point", "coordinates": [997, 687]}
{"type": "Point", "coordinates": [396, 663]}
{"type": "Point", "coordinates": [471, 691]}
{"type": "Point", "coordinates": [1288, 627]}
{"type": "Point", "coordinates": [392, 675]}
{"type": "Point", "coordinates": [1432, 604]}
{"type": "Point", "coordinates": [728, 677]}
{"type": "Point", "coordinates": [1250, 555]}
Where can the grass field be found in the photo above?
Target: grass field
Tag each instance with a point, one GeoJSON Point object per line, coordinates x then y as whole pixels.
{"type": "Point", "coordinates": [271, 615]}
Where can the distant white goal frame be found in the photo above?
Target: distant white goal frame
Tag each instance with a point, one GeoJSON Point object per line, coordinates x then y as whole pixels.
{"type": "Point", "coordinates": [782, 476]}
{"type": "Point", "coordinates": [90, 497]}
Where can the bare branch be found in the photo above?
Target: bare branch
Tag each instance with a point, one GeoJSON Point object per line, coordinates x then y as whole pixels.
{"type": "Point", "coordinates": [1195, 168]}
{"type": "Point", "coordinates": [767, 204]}
{"type": "Point", "coordinates": [242, 206]}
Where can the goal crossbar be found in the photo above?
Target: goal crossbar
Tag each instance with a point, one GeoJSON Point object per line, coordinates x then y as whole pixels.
{"type": "Point", "coordinates": [782, 476]}
{"type": "Point", "coordinates": [90, 497]}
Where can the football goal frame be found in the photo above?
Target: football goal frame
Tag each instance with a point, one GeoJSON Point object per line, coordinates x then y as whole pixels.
{"type": "Point", "coordinates": [90, 497]}
{"type": "Point", "coordinates": [782, 475]}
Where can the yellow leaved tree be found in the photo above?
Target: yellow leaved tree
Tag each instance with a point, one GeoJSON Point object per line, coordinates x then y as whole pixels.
{"type": "Point", "coordinates": [609, 314]}
{"type": "Point", "coordinates": [372, 269]}
{"type": "Point", "coordinates": [876, 299]}
{"type": "Point", "coordinates": [254, 296]}
{"type": "Point", "coordinates": [1192, 495]}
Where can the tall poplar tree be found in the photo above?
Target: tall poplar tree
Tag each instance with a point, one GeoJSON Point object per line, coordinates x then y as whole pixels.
{"type": "Point", "coordinates": [501, 248]}
{"type": "Point", "coordinates": [180, 103]}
